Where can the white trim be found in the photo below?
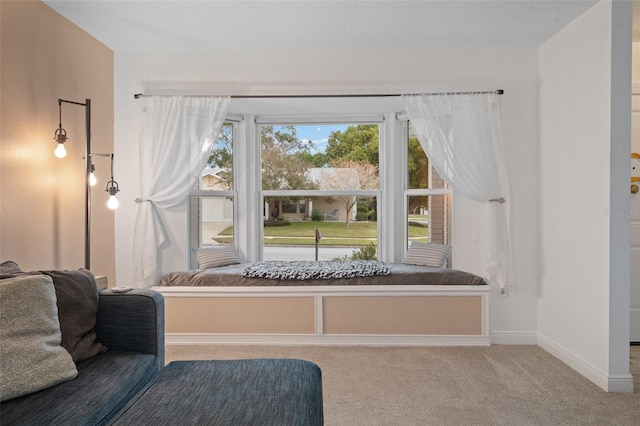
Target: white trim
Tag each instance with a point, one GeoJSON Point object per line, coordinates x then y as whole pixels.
{"type": "Point", "coordinates": [320, 119]}
{"type": "Point", "coordinates": [429, 191]}
{"type": "Point", "coordinates": [323, 340]}
{"type": "Point", "coordinates": [618, 383]}
{"type": "Point", "coordinates": [284, 88]}
{"type": "Point", "coordinates": [248, 212]}
{"type": "Point", "coordinates": [234, 118]}
{"type": "Point", "coordinates": [320, 193]}
{"type": "Point", "coordinates": [514, 337]}
{"type": "Point", "coordinates": [319, 319]}
{"type": "Point", "coordinates": [393, 165]}
{"type": "Point", "coordinates": [315, 88]}
{"type": "Point", "coordinates": [212, 193]}
{"type": "Point", "coordinates": [326, 290]}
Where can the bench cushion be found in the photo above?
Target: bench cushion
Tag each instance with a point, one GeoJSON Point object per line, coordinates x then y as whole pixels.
{"type": "Point", "coordinates": [236, 392]}
{"type": "Point", "coordinates": [104, 385]}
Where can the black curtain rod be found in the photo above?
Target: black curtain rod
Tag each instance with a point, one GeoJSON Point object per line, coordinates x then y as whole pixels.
{"type": "Point", "coordinates": [385, 95]}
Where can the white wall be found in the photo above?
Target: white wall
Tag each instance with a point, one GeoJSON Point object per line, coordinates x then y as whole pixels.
{"type": "Point", "coordinates": [582, 304]}
{"type": "Point", "coordinates": [635, 198]}
{"type": "Point", "coordinates": [349, 71]}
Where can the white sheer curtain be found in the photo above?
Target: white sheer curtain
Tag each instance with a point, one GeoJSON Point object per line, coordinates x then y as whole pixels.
{"type": "Point", "coordinates": [462, 136]}
{"type": "Point", "coordinates": [177, 135]}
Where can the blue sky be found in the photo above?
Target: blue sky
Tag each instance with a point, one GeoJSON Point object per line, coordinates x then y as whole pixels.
{"type": "Point", "coordinates": [318, 133]}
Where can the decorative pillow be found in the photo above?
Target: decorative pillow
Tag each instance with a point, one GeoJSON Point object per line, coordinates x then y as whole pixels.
{"type": "Point", "coordinates": [308, 270]}
{"type": "Point", "coordinates": [212, 257]}
{"type": "Point", "coordinates": [32, 358]}
{"type": "Point", "coordinates": [9, 267]}
{"type": "Point", "coordinates": [77, 296]}
{"type": "Point", "coordinates": [429, 254]}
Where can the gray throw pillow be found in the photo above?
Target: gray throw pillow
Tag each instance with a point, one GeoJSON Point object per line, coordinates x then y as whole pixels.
{"type": "Point", "coordinates": [30, 350]}
{"type": "Point", "coordinates": [77, 296]}
{"type": "Point", "coordinates": [216, 256]}
{"type": "Point", "coordinates": [427, 254]}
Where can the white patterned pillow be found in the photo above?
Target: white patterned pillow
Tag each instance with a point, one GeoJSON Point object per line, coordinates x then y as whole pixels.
{"type": "Point", "coordinates": [212, 257]}
{"type": "Point", "coordinates": [429, 254]}
{"type": "Point", "coordinates": [32, 358]}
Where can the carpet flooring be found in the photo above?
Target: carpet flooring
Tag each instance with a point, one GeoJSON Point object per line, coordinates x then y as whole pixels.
{"type": "Point", "coordinates": [495, 385]}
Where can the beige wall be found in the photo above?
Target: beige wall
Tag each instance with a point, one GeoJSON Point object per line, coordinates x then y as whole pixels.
{"type": "Point", "coordinates": [45, 57]}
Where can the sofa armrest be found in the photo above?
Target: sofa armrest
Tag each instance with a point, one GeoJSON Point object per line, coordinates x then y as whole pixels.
{"type": "Point", "coordinates": [132, 322]}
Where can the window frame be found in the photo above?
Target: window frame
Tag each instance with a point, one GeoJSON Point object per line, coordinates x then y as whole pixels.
{"type": "Point", "coordinates": [424, 192]}
{"type": "Point", "coordinates": [193, 212]}
{"type": "Point", "coordinates": [345, 119]}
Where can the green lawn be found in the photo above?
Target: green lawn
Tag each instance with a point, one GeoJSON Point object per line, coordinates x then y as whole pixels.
{"type": "Point", "coordinates": [333, 233]}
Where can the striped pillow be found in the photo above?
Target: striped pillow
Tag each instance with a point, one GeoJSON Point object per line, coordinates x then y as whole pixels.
{"type": "Point", "coordinates": [429, 254]}
{"type": "Point", "coordinates": [212, 257]}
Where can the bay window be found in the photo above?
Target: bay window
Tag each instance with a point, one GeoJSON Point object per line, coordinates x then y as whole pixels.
{"type": "Point", "coordinates": [362, 180]}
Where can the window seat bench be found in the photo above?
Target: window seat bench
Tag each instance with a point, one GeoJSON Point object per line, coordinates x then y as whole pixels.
{"type": "Point", "coordinates": [395, 309]}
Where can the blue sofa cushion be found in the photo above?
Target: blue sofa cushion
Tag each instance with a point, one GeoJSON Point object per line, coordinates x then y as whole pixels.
{"type": "Point", "coordinates": [265, 392]}
{"type": "Point", "coordinates": [104, 385]}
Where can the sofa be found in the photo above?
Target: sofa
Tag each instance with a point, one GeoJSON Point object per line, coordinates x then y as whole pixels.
{"type": "Point", "coordinates": [115, 342]}
{"type": "Point", "coordinates": [73, 355]}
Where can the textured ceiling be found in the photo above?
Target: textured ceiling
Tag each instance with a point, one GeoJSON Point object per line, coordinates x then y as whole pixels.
{"type": "Point", "coordinates": [187, 25]}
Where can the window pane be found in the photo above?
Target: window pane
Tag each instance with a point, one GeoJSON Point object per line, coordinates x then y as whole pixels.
{"type": "Point", "coordinates": [218, 173]}
{"type": "Point", "coordinates": [211, 222]}
{"type": "Point", "coordinates": [323, 156]}
{"type": "Point", "coordinates": [429, 218]}
{"type": "Point", "coordinates": [291, 236]}
{"type": "Point", "coordinates": [421, 175]}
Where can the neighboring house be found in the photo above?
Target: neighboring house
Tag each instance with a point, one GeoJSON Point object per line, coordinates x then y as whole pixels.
{"type": "Point", "coordinates": [212, 179]}
{"type": "Point", "coordinates": [290, 209]}
{"type": "Point", "coordinates": [334, 178]}
{"type": "Point", "coordinates": [329, 208]}
{"type": "Point", "coordinates": [216, 213]}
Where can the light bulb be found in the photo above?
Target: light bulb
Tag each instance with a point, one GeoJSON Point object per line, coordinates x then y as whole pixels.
{"type": "Point", "coordinates": [60, 152]}
{"type": "Point", "coordinates": [92, 179]}
{"type": "Point", "coordinates": [113, 202]}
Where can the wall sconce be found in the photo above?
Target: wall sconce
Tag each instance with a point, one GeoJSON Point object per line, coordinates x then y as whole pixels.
{"type": "Point", "coordinates": [60, 136]}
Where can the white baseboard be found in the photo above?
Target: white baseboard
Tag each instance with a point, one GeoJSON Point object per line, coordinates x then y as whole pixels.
{"type": "Point", "coordinates": [514, 337]}
{"type": "Point", "coordinates": [322, 340]}
{"type": "Point", "coordinates": [618, 383]}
